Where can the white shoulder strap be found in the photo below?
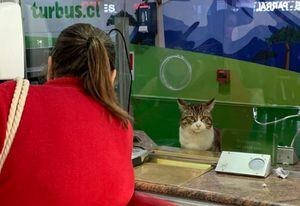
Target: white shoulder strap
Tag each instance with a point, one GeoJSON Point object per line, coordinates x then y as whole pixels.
{"type": "Point", "coordinates": [14, 117]}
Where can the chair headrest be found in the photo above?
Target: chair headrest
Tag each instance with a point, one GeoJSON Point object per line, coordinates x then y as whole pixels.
{"type": "Point", "coordinates": [11, 41]}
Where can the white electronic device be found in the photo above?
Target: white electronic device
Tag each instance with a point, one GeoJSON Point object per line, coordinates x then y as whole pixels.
{"type": "Point", "coordinates": [244, 163]}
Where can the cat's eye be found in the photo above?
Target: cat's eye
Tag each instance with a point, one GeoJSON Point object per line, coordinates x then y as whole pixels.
{"type": "Point", "coordinates": [191, 118]}
{"type": "Point", "coordinates": [206, 120]}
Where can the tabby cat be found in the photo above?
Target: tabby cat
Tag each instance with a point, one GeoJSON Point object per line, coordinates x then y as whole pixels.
{"type": "Point", "coordinates": [196, 129]}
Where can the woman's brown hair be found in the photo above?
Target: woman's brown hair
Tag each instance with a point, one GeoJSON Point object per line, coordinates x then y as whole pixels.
{"type": "Point", "coordinates": [87, 52]}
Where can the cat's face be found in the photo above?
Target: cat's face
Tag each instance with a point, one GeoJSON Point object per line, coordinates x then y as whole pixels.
{"type": "Point", "coordinates": [196, 117]}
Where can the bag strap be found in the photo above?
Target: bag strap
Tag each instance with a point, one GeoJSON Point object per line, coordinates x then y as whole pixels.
{"type": "Point", "coordinates": [14, 116]}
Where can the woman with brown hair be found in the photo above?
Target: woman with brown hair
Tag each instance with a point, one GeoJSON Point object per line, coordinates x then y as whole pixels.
{"type": "Point", "coordinates": [74, 142]}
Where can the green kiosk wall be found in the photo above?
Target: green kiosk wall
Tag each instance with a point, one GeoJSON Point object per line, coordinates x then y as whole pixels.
{"type": "Point", "coordinates": [258, 108]}
{"type": "Point", "coordinates": [271, 92]}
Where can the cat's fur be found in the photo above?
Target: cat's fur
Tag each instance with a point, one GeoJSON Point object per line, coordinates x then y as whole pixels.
{"type": "Point", "coordinates": [196, 129]}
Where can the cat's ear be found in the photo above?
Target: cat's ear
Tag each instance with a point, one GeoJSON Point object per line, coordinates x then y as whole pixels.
{"type": "Point", "coordinates": [210, 105]}
{"type": "Point", "coordinates": [182, 104]}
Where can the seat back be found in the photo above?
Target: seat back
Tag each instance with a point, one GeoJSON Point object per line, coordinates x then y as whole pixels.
{"type": "Point", "coordinates": [11, 41]}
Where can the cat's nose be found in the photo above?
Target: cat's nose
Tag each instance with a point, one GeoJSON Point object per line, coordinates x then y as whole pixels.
{"type": "Point", "coordinates": [198, 125]}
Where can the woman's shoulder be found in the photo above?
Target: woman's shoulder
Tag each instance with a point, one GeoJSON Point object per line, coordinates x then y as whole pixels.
{"type": "Point", "coordinates": [7, 85]}
{"type": "Point", "coordinates": [6, 91]}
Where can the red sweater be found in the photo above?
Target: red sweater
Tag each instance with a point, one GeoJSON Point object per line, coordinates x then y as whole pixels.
{"type": "Point", "coordinates": [67, 150]}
